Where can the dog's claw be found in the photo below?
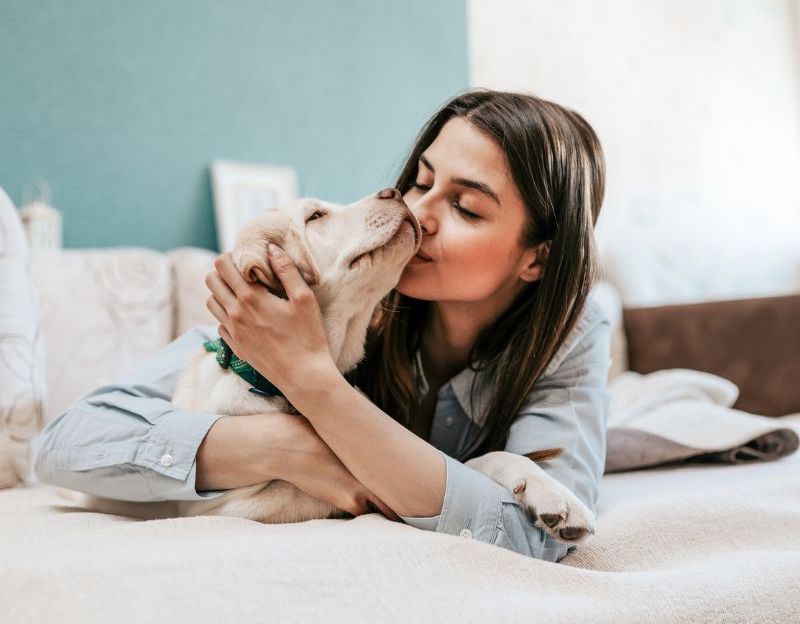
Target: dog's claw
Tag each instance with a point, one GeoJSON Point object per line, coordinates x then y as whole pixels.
{"type": "Point", "coordinates": [571, 533]}
{"type": "Point", "coordinates": [551, 519]}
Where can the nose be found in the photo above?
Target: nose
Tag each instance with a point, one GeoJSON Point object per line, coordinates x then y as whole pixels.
{"type": "Point", "coordinates": [389, 193]}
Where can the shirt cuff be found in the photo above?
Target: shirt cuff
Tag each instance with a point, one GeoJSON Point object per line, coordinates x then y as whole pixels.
{"type": "Point", "coordinates": [478, 507]}
{"type": "Point", "coordinates": [170, 452]}
{"type": "Point", "coordinates": [471, 506]}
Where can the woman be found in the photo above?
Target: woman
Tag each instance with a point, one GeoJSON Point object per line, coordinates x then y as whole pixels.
{"type": "Point", "coordinates": [492, 344]}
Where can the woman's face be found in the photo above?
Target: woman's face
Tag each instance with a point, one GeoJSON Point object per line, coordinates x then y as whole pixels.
{"type": "Point", "coordinates": [473, 258]}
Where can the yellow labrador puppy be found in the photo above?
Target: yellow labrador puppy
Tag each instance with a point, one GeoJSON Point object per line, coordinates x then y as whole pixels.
{"type": "Point", "coordinates": [351, 256]}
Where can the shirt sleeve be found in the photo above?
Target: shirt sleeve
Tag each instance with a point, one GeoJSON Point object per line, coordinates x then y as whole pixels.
{"type": "Point", "coordinates": [567, 409]}
{"type": "Point", "coordinates": [126, 440]}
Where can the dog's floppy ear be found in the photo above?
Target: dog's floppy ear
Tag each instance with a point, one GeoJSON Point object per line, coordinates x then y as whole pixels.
{"type": "Point", "coordinates": [250, 250]}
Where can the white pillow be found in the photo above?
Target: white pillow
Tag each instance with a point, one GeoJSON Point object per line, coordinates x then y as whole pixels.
{"type": "Point", "coordinates": [22, 356]}
{"type": "Point", "coordinates": [606, 294]}
{"type": "Point", "coordinates": [103, 311]}
{"type": "Point", "coordinates": [189, 267]}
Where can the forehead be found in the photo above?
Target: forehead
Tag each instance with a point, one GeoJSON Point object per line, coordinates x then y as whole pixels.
{"type": "Point", "coordinates": [461, 150]}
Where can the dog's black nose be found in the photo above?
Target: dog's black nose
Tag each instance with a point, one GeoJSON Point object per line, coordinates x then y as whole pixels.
{"type": "Point", "coordinates": [389, 193]}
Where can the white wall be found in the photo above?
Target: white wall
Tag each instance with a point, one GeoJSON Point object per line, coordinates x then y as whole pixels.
{"type": "Point", "coordinates": [697, 105]}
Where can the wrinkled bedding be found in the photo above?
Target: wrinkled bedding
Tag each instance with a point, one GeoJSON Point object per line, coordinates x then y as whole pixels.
{"type": "Point", "coordinates": [694, 543]}
{"type": "Point", "coordinates": [682, 415]}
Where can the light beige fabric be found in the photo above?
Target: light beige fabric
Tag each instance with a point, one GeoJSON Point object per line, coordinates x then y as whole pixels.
{"type": "Point", "coordinates": [675, 414]}
{"type": "Point", "coordinates": [703, 544]}
{"type": "Point", "coordinates": [103, 311]}
{"type": "Point", "coordinates": [23, 388]}
{"type": "Point", "coordinates": [189, 268]}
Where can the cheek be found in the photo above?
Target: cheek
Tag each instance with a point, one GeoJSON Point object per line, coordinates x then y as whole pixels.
{"type": "Point", "coordinates": [475, 264]}
{"type": "Point", "coordinates": [472, 266]}
{"type": "Point", "coordinates": [469, 245]}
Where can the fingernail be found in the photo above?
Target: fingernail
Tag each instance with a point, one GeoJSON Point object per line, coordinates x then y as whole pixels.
{"type": "Point", "coordinates": [273, 250]}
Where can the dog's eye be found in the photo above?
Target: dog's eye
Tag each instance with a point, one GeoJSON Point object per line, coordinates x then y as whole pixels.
{"type": "Point", "coordinates": [312, 217]}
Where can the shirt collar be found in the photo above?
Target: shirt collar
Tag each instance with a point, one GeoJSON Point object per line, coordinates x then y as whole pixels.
{"type": "Point", "coordinates": [461, 385]}
{"type": "Point", "coordinates": [462, 382]}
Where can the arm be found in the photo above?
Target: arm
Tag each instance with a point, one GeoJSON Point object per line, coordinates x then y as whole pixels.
{"type": "Point", "coordinates": [403, 470]}
{"type": "Point", "coordinates": [127, 441]}
{"type": "Point", "coordinates": [242, 450]}
{"type": "Point", "coordinates": [568, 409]}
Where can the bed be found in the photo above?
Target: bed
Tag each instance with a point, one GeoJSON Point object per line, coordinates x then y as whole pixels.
{"type": "Point", "coordinates": [702, 543]}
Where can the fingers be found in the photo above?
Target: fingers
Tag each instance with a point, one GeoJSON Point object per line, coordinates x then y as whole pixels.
{"type": "Point", "coordinates": [216, 309]}
{"type": "Point", "coordinates": [219, 289]}
{"type": "Point", "coordinates": [287, 272]}
{"type": "Point", "coordinates": [225, 335]}
{"type": "Point", "coordinates": [230, 274]}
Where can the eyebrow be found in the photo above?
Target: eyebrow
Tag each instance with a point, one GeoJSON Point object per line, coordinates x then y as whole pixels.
{"type": "Point", "coordinates": [478, 186]}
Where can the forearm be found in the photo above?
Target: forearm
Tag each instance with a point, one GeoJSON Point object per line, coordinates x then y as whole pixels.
{"type": "Point", "coordinates": [243, 450]}
{"type": "Point", "coordinates": [402, 469]}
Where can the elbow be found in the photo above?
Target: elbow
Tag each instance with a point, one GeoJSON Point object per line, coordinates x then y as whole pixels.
{"type": "Point", "coordinates": [40, 455]}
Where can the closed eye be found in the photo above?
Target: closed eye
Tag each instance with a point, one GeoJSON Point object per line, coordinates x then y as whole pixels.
{"type": "Point", "coordinates": [470, 216]}
{"type": "Point", "coordinates": [314, 216]}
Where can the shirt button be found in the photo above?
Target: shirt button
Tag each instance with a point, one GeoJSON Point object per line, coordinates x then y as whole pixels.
{"type": "Point", "coordinates": [448, 421]}
{"type": "Point", "coordinates": [465, 533]}
{"type": "Point", "coordinates": [166, 460]}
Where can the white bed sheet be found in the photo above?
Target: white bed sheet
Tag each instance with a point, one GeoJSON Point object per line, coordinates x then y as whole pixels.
{"type": "Point", "coordinates": [690, 544]}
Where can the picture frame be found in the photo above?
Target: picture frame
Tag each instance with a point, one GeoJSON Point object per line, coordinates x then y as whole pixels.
{"type": "Point", "coordinates": [244, 190]}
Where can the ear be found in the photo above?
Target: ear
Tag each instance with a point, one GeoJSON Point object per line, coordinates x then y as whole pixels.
{"type": "Point", "coordinates": [250, 250]}
{"type": "Point", "coordinates": [535, 261]}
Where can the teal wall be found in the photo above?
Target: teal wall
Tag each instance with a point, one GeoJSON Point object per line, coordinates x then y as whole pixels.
{"type": "Point", "coordinates": [121, 106]}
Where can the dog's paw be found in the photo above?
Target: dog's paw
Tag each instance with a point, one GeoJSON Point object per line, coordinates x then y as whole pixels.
{"type": "Point", "coordinates": [553, 508]}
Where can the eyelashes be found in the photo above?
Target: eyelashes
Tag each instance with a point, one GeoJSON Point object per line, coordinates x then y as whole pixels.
{"type": "Point", "coordinates": [470, 216]}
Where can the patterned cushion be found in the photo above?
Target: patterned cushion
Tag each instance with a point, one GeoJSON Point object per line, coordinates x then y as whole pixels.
{"type": "Point", "coordinates": [189, 268]}
{"type": "Point", "coordinates": [22, 357]}
{"type": "Point", "coordinates": [103, 311]}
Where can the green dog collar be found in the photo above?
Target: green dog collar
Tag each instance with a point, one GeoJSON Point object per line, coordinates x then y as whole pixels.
{"type": "Point", "coordinates": [226, 358]}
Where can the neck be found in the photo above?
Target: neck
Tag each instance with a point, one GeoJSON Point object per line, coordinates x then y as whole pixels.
{"type": "Point", "coordinates": [452, 327]}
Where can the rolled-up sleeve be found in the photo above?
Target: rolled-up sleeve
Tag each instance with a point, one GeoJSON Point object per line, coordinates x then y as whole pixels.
{"type": "Point", "coordinates": [477, 507]}
{"type": "Point", "coordinates": [126, 440]}
{"type": "Point", "coordinates": [567, 409]}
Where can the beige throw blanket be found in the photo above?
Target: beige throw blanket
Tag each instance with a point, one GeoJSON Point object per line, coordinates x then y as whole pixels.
{"type": "Point", "coordinates": [678, 415]}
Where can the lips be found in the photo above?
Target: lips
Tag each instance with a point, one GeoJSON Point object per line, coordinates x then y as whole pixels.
{"type": "Point", "coordinates": [423, 255]}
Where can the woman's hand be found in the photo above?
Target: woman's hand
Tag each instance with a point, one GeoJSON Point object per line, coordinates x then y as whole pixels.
{"type": "Point", "coordinates": [317, 471]}
{"type": "Point", "coordinates": [284, 340]}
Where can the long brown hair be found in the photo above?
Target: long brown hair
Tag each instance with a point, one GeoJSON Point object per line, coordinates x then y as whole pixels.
{"type": "Point", "coordinates": [558, 167]}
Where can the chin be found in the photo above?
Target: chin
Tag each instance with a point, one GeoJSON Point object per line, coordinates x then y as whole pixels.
{"type": "Point", "coordinates": [411, 287]}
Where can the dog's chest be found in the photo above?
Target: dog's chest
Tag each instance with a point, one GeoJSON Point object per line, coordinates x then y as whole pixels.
{"type": "Point", "coordinates": [205, 385]}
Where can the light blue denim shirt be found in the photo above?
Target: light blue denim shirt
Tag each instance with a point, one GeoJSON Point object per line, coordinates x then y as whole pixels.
{"type": "Point", "coordinates": [127, 441]}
